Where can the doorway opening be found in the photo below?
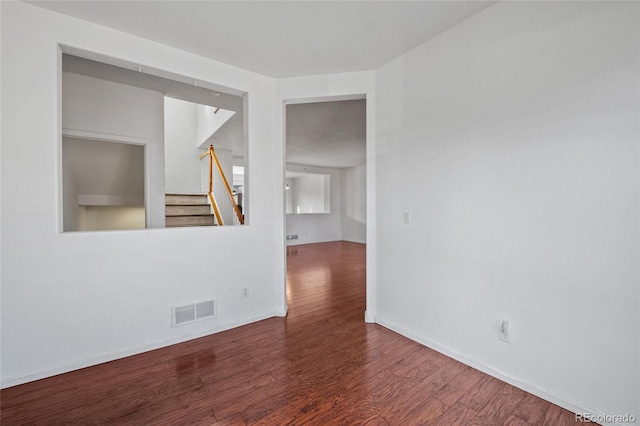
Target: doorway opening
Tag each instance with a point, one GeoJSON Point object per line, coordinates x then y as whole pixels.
{"type": "Point", "coordinates": [325, 180]}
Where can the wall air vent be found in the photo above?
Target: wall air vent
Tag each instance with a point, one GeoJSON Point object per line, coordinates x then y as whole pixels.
{"type": "Point", "coordinates": [206, 309]}
{"type": "Point", "coordinates": [196, 311]}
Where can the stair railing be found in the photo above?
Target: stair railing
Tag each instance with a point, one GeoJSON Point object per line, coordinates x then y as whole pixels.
{"type": "Point", "coordinates": [214, 159]}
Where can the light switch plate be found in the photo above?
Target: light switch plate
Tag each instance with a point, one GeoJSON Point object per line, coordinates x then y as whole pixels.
{"type": "Point", "coordinates": [406, 217]}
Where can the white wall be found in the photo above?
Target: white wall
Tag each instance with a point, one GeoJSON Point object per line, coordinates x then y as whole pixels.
{"type": "Point", "coordinates": [70, 207]}
{"type": "Point", "coordinates": [111, 110]}
{"type": "Point", "coordinates": [209, 122]}
{"type": "Point", "coordinates": [76, 299]}
{"type": "Point", "coordinates": [518, 130]}
{"type": "Point", "coordinates": [2, 106]}
{"type": "Point", "coordinates": [288, 196]}
{"type": "Point", "coordinates": [347, 219]}
{"type": "Point", "coordinates": [182, 156]}
{"type": "Point", "coordinates": [316, 228]}
{"type": "Point", "coordinates": [94, 218]}
{"type": "Point", "coordinates": [354, 204]}
{"type": "Point", "coordinates": [310, 194]}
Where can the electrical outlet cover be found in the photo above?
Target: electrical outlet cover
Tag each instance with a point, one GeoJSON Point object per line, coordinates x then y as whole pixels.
{"type": "Point", "coordinates": [505, 336]}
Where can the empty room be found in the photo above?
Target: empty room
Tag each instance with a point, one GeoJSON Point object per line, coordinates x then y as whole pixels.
{"type": "Point", "coordinates": [179, 245]}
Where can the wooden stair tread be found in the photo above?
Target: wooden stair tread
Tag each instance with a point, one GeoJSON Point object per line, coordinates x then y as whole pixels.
{"type": "Point", "coordinates": [193, 215]}
{"type": "Point", "coordinates": [186, 199]}
{"type": "Point", "coordinates": [189, 225]}
{"type": "Point", "coordinates": [190, 220]}
{"type": "Point", "coordinates": [184, 210]}
{"type": "Point", "coordinates": [187, 210]}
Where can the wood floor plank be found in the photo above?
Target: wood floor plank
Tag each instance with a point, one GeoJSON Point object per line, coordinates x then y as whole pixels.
{"type": "Point", "coordinates": [321, 365]}
{"type": "Point", "coordinates": [236, 420]}
{"type": "Point", "coordinates": [412, 365]}
{"type": "Point", "coordinates": [532, 409]}
{"type": "Point", "coordinates": [458, 386]}
{"type": "Point", "coordinates": [500, 406]}
{"type": "Point", "coordinates": [424, 414]}
{"type": "Point", "coordinates": [515, 421]}
{"type": "Point", "coordinates": [457, 414]}
{"type": "Point", "coordinates": [480, 394]}
{"type": "Point", "coordinates": [557, 416]}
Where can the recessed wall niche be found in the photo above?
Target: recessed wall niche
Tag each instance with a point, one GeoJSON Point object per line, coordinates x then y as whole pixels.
{"type": "Point", "coordinates": [131, 135]}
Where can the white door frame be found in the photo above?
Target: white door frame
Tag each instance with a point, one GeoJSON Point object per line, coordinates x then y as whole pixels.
{"type": "Point", "coordinates": [369, 314]}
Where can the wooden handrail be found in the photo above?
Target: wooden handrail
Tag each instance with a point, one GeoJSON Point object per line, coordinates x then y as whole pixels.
{"type": "Point", "coordinates": [212, 157]}
{"type": "Point", "coordinates": [210, 171]}
{"type": "Point", "coordinates": [212, 200]}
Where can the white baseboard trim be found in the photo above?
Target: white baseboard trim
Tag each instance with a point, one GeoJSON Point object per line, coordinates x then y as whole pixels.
{"type": "Point", "coordinates": [478, 365]}
{"type": "Point", "coordinates": [353, 241]}
{"type": "Point", "coordinates": [282, 313]}
{"type": "Point", "coordinates": [371, 319]}
{"type": "Point", "coordinates": [112, 356]}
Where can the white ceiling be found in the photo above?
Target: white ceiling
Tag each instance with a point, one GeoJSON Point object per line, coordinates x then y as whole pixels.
{"type": "Point", "coordinates": [281, 38]}
{"type": "Point", "coordinates": [288, 39]}
{"type": "Point", "coordinates": [327, 134]}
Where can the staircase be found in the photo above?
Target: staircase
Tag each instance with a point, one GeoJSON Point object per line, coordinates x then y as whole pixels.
{"type": "Point", "coordinates": [188, 210]}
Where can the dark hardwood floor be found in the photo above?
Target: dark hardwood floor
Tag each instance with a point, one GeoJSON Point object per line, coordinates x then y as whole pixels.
{"type": "Point", "coordinates": [322, 365]}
